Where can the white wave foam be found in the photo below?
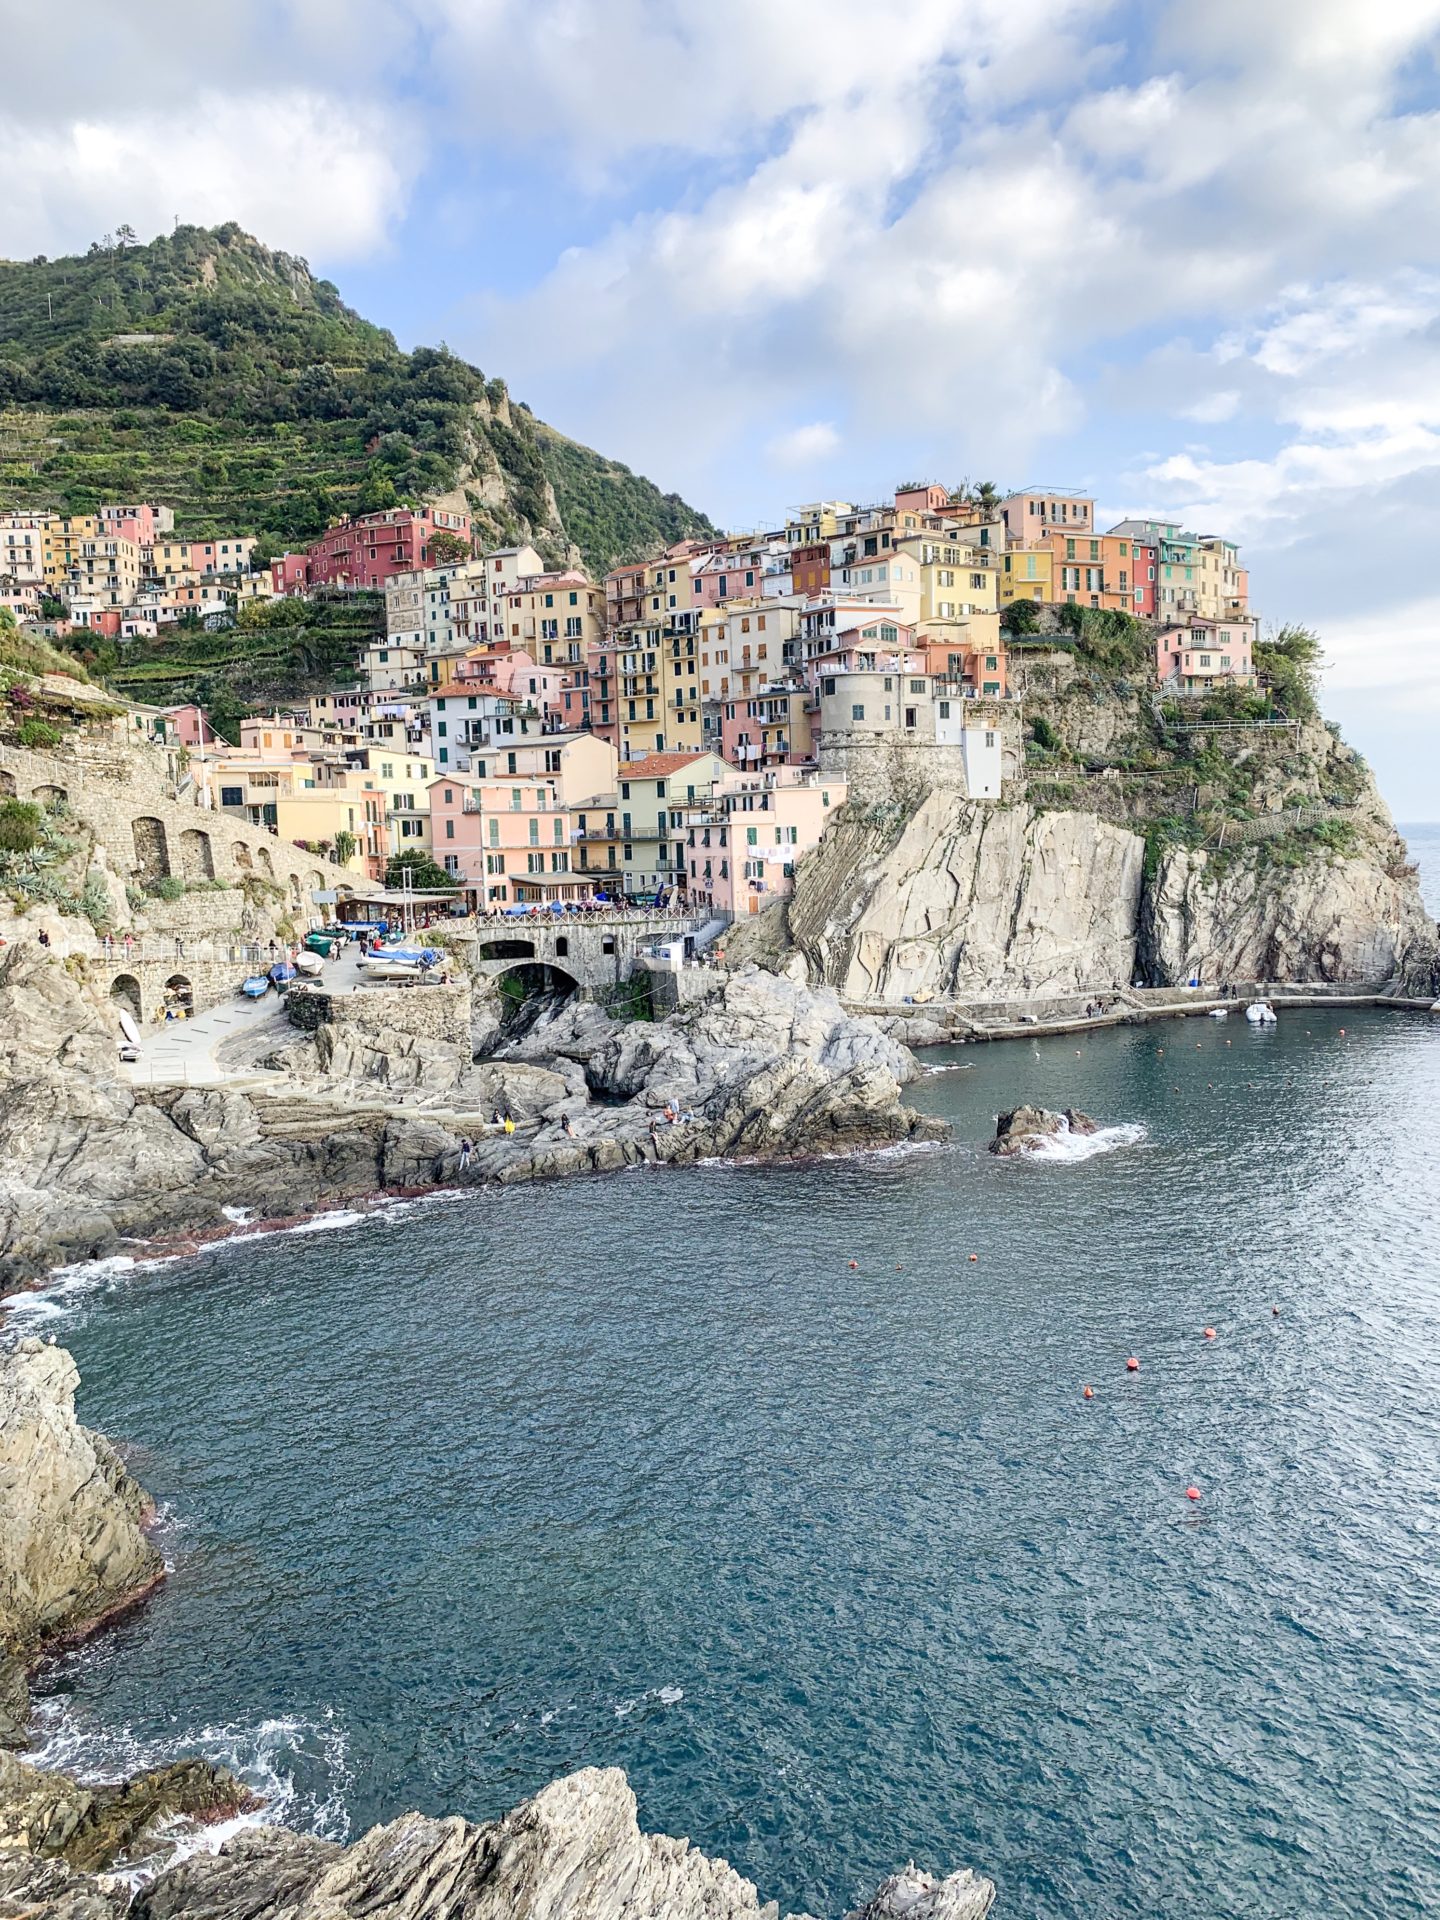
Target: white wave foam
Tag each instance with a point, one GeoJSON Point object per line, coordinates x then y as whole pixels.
{"type": "Point", "coordinates": [67, 1289]}
{"type": "Point", "coordinates": [948, 1066]}
{"type": "Point", "coordinates": [1069, 1147]}
{"type": "Point", "coordinates": [299, 1768]}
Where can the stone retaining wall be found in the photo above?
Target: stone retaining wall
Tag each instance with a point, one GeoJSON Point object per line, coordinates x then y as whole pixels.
{"type": "Point", "coordinates": [424, 1011]}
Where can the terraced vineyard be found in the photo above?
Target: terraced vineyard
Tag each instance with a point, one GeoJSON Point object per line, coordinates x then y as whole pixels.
{"type": "Point", "coordinates": [209, 372]}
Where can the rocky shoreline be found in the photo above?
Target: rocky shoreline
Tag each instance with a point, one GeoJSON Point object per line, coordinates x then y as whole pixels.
{"type": "Point", "coordinates": [92, 1167]}
{"type": "Point", "coordinates": [73, 1550]}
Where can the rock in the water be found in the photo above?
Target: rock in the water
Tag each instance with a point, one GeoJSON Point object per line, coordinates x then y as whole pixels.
{"type": "Point", "coordinates": [1024, 1127]}
{"type": "Point", "coordinates": [71, 1548]}
{"type": "Point", "coordinates": [913, 1895]}
{"type": "Point", "coordinates": [53, 1817]}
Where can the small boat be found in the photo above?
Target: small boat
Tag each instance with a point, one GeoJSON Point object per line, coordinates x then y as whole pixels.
{"type": "Point", "coordinates": [321, 943]}
{"type": "Point", "coordinates": [129, 1028]}
{"type": "Point", "coordinates": [1219, 1013]}
{"type": "Point", "coordinates": [256, 987]}
{"type": "Point", "coordinates": [282, 973]}
{"type": "Point", "coordinates": [310, 964]}
{"type": "Point", "coordinates": [1261, 1014]}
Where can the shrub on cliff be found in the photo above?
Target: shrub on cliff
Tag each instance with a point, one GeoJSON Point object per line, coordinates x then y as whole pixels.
{"type": "Point", "coordinates": [1289, 661]}
{"type": "Point", "coordinates": [20, 823]}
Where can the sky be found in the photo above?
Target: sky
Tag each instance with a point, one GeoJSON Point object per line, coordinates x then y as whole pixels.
{"type": "Point", "coordinates": [1185, 257]}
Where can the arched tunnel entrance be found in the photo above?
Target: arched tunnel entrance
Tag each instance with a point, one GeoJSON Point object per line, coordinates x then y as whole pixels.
{"type": "Point", "coordinates": [530, 992]}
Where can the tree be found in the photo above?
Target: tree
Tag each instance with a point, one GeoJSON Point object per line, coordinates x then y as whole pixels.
{"type": "Point", "coordinates": [424, 874]}
{"type": "Point", "coordinates": [125, 235]}
{"type": "Point", "coordinates": [377, 492]}
{"type": "Point", "coordinates": [987, 495]}
{"type": "Point", "coordinates": [1290, 661]}
{"type": "Point", "coordinates": [448, 549]}
{"type": "Point", "coordinates": [1020, 617]}
{"type": "Point", "coordinates": [345, 845]}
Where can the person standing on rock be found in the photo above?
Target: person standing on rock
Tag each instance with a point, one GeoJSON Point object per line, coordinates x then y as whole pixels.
{"type": "Point", "coordinates": [467, 1147]}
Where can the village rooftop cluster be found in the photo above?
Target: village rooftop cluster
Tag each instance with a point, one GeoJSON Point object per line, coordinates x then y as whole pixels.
{"type": "Point", "coordinates": [684, 729]}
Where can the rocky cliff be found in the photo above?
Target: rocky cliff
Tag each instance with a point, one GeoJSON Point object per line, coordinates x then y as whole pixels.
{"type": "Point", "coordinates": [71, 1547]}
{"type": "Point", "coordinates": [574, 1852]}
{"type": "Point", "coordinates": [1266, 854]}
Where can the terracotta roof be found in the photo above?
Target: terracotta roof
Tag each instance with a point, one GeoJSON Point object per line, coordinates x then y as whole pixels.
{"type": "Point", "coordinates": [655, 766]}
{"type": "Point", "coordinates": [453, 689]}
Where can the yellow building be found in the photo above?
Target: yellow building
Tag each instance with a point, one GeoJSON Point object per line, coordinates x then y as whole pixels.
{"type": "Point", "coordinates": [639, 687]}
{"type": "Point", "coordinates": [956, 589]}
{"type": "Point", "coordinates": [63, 540]}
{"type": "Point", "coordinates": [1028, 573]}
{"type": "Point", "coordinates": [680, 689]}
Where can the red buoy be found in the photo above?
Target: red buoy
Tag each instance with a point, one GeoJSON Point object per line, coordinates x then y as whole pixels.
{"type": "Point", "coordinates": [974, 1256]}
{"type": "Point", "coordinates": [1132, 1365]}
{"type": "Point", "coordinates": [1192, 1493]}
{"type": "Point", "coordinates": [853, 1265]}
{"type": "Point", "coordinates": [1209, 1333]}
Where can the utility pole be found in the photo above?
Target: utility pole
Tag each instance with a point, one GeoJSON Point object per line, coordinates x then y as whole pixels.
{"type": "Point", "coordinates": [50, 308]}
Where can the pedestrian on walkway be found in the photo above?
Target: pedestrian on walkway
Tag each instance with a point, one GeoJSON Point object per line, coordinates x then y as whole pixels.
{"type": "Point", "coordinates": [179, 948]}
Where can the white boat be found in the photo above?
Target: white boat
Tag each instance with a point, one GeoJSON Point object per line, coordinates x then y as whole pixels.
{"type": "Point", "coordinates": [1219, 1013]}
{"type": "Point", "coordinates": [310, 964]}
{"type": "Point", "coordinates": [129, 1028]}
{"type": "Point", "coordinates": [1261, 1014]}
{"type": "Point", "coordinates": [383, 966]}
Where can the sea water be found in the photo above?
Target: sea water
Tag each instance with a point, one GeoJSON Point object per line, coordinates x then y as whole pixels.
{"type": "Point", "coordinates": [836, 1560]}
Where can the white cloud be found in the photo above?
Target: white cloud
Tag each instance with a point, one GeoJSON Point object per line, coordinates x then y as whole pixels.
{"type": "Point", "coordinates": [302, 171]}
{"type": "Point", "coordinates": [1213, 408]}
{"type": "Point", "coordinates": [804, 446]}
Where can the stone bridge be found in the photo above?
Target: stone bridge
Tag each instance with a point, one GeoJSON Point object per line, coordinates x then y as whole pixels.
{"type": "Point", "coordinates": [591, 956]}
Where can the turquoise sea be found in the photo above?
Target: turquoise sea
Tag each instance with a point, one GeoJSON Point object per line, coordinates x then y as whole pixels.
{"type": "Point", "coordinates": [836, 1559]}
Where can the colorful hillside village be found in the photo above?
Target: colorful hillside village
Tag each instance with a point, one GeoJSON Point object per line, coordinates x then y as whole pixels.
{"type": "Point", "coordinates": [685, 728]}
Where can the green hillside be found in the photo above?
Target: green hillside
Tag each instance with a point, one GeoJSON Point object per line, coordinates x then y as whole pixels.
{"type": "Point", "coordinates": [207, 371]}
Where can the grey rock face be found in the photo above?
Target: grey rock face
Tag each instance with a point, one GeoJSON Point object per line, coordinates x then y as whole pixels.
{"type": "Point", "coordinates": [71, 1547]}
{"type": "Point", "coordinates": [574, 1852]}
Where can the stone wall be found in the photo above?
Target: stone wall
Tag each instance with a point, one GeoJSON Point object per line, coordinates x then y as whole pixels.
{"type": "Point", "coordinates": [890, 770]}
{"type": "Point", "coordinates": [144, 981]}
{"type": "Point", "coordinates": [418, 1012]}
{"type": "Point", "coordinates": [140, 831]}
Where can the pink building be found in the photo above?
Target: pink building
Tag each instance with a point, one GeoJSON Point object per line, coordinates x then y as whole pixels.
{"type": "Point", "coordinates": [507, 840]}
{"type": "Point", "coordinates": [741, 846]}
{"type": "Point", "coordinates": [373, 547]}
{"type": "Point", "coordinates": [142, 524]}
{"type": "Point", "coordinates": [291, 573]}
{"type": "Point", "coordinates": [189, 725]}
{"type": "Point", "coordinates": [1206, 654]}
{"type": "Point", "coordinates": [769, 728]}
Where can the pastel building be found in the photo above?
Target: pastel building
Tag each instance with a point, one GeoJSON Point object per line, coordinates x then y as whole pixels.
{"type": "Point", "coordinates": [742, 844]}
{"type": "Point", "coordinates": [1039, 510]}
{"type": "Point", "coordinates": [507, 837]}
{"type": "Point", "coordinates": [368, 550]}
{"type": "Point", "coordinates": [1204, 654]}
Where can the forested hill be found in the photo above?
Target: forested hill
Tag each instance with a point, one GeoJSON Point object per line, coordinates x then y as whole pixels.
{"type": "Point", "coordinates": [205, 370]}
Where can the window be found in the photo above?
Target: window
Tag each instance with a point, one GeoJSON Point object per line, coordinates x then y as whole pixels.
{"type": "Point", "coordinates": [917, 686]}
{"type": "Point", "coordinates": [752, 836]}
{"type": "Point", "coordinates": [857, 712]}
{"type": "Point", "coordinates": [515, 799]}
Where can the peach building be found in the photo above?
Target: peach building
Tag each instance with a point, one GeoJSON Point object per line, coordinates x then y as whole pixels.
{"type": "Point", "coordinates": [741, 846]}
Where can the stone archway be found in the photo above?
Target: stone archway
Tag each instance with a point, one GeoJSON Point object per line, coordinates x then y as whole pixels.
{"type": "Point", "coordinates": [196, 859]}
{"type": "Point", "coordinates": [126, 996]}
{"type": "Point", "coordinates": [152, 850]}
{"type": "Point", "coordinates": [295, 889]}
{"type": "Point", "coordinates": [264, 862]}
{"type": "Point", "coordinates": [506, 950]}
{"type": "Point", "coordinates": [7, 784]}
{"type": "Point", "coordinates": [316, 881]}
{"type": "Point", "coordinates": [50, 796]}
{"type": "Point", "coordinates": [179, 993]}
{"type": "Point", "coordinates": [244, 859]}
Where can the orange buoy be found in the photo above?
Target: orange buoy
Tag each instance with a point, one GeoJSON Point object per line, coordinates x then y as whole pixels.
{"type": "Point", "coordinates": [853, 1265]}
{"type": "Point", "coordinates": [1209, 1333]}
{"type": "Point", "coordinates": [1192, 1493]}
{"type": "Point", "coordinates": [1132, 1365]}
{"type": "Point", "coordinates": [1089, 1394]}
